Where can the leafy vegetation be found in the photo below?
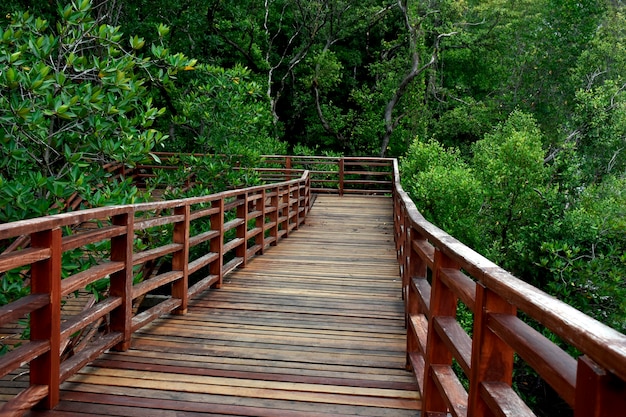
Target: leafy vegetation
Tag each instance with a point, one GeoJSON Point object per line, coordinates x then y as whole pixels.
{"type": "Point", "coordinates": [78, 97]}
{"type": "Point", "coordinates": [510, 117]}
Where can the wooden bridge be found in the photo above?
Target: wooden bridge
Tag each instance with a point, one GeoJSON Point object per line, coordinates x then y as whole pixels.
{"type": "Point", "coordinates": [352, 313]}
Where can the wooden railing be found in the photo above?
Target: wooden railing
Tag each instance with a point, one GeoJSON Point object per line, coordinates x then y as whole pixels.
{"type": "Point", "coordinates": [235, 226]}
{"type": "Point", "coordinates": [329, 175]}
{"type": "Point", "coordinates": [439, 274]}
{"type": "Point", "coordinates": [335, 175]}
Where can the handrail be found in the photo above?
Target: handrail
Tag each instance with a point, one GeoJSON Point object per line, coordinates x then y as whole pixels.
{"type": "Point", "coordinates": [241, 224]}
{"type": "Point", "coordinates": [439, 273]}
{"type": "Point", "coordinates": [335, 175]}
{"type": "Point", "coordinates": [329, 175]}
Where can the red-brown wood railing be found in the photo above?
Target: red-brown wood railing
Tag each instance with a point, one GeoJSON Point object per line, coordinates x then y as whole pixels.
{"type": "Point", "coordinates": [439, 273]}
{"type": "Point", "coordinates": [329, 175]}
{"type": "Point", "coordinates": [241, 224]}
{"type": "Point", "coordinates": [334, 175]}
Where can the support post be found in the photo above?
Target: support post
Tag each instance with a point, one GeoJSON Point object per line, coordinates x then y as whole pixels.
{"type": "Point", "coordinates": [260, 222]}
{"type": "Point", "coordinates": [45, 323]}
{"type": "Point", "coordinates": [217, 243]}
{"type": "Point", "coordinates": [341, 175]}
{"type": "Point", "coordinates": [288, 168]}
{"type": "Point", "coordinates": [598, 392]}
{"type": "Point", "coordinates": [274, 201]}
{"type": "Point", "coordinates": [122, 281]}
{"type": "Point", "coordinates": [443, 302]}
{"type": "Point", "coordinates": [492, 359]}
{"type": "Point", "coordinates": [180, 259]}
{"type": "Point", "coordinates": [242, 230]}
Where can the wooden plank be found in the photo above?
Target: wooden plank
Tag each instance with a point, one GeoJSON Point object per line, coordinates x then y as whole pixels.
{"type": "Point", "coordinates": [280, 367]}
{"type": "Point", "coordinates": [419, 324]}
{"type": "Point", "coordinates": [419, 366]}
{"type": "Point", "coordinates": [552, 363]}
{"type": "Point", "coordinates": [503, 401]}
{"type": "Point", "coordinates": [23, 306]}
{"type": "Point", "coordinates": [252, 373]}
{"type": "Point", "coordinates": [80, 321]}
{"type": "Point", "coordinates": [462, 285]}
{"type": "Point", "coordinates": [23, 257]}
{"type": "Point", "coordinates": [97, 235]}
{"type": "Point", "coordinates": [148, 255]}
{"type": "Point", "coordinates": [24, 401]}
{"type": "Point", "coordinates": [422, 288]}
{"type": "Point", "coordinates": [267, 391]}
{"type": "Point", "coordinates": [450, 387]}
{"type": "Point", "coordinates": [206, 404]}
{"type": "Point", "coordinates": [22, 354]}
{"type": "Point", "coordinates": [82, 279]}
{"type": "Point", "coordinates": [457, 341]}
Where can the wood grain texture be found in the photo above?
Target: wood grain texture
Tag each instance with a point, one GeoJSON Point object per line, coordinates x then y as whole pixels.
{"type": "Point", "coordinates": [314, 327]}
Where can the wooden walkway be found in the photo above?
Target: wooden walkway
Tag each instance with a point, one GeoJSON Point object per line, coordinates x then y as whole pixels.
{"type": "Point", "coordinates": [314, 327]}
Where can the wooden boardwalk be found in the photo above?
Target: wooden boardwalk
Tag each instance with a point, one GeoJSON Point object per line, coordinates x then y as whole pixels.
{"type": "Point", "coordinates": [314, 327]}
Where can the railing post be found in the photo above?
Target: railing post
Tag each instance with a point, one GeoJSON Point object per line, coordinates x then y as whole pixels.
{"type": "Point", "coordinates": [260, 222]}
{"type": "Point", "coordinates": [122, 281]}
{"type": "Point", "coordinates": [180, 259]}
{"type": "Point", "coordinates": [242, 230]}
{"type": "Point", "coordinates": [274, 203]}
{"type": "Point", "coordinates": [45, 323]}
{"type": "Point", "coordinates": [492, 358]}
{"type": "Point", "coordinates": [302, 202]}
{"type": "Point", "coordinates": [341, 175]}
{"type": "Point", "coordinates": [309, 197]}
{"type": "Point", "coordinates": [598, 392]}
{"type": "Point", "coordinates": [288, 168]}
{"type": "Point", "coordinates": [296, 205]}
{"type": "Point", "coordinates": [411, 265]}
{"type": "Point", "coordinates": [286, 207]}
{"type": "Point", "coordinates": [217, 243]}
{"type": "Point", "coordinates": [443, 302]}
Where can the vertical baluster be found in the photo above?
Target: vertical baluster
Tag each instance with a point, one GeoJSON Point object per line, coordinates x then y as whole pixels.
{"type": "Point", "coordinates": [598, 392]}
{"type": "Point", "coordinates": [180, 259]}
{"type": "Point", "coordinates": [296, 205]}
{"type": "Point", "coordinates": [274, 201]}
{"type": "Point", "coordinates": [284, 212]}
{"type": "Point", "coordinates": [242, 230]}
{"type": "Point", "coordinates": [122, 281]}
{"type": "Point", "coordinates": [260, 222]}
{"type": "Point", "coordinates": [404, 258]}
{"type": "Point", "coordinates": [341, 175]}
{"type": "Point", "coordinates": [492, 359]}
{"type": "Point", "coordinates": [443, 302]}
{"type": "Point", "coordinates": [217, 243]}
{"type": "Point", "coordinates": [288, 168]}
{"type": "Point", "coordinates": [45, 323]}
{"type": "Point", "coordinates": [309, 197]}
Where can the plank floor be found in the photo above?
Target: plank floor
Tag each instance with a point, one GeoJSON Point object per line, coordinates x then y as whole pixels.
{"type": "Point", "coordinates": [315, 327]}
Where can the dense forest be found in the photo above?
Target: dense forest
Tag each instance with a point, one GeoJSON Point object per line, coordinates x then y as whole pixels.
{"type": "Point", "coordinates": [509, 116]}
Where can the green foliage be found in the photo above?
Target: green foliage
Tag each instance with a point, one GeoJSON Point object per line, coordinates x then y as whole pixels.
{"type": "Point", "coordinates": [588, 262]}
{"type": "Point", "coordinates": [527, 215]}
{"type": "Point", "coordinates": [445, 189]}
{"type": "Point", "coordinates": [221, 111]}
{"type": "Point", "coordinates": [73, 98]}
{"type": "Point", "coordinates": [509, 164]}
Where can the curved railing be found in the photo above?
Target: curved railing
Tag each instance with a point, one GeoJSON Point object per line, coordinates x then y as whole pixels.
{"type": "Point", "coordinates": [439, 273]}
{"type": "Point", "coordinates": [236, 225]}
